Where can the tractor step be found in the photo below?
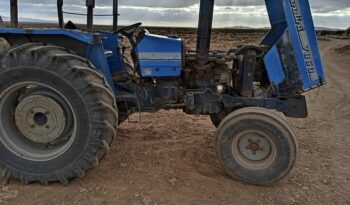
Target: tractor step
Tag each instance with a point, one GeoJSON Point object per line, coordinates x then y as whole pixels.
{"type": "Point", "coordinates": [125, 98]}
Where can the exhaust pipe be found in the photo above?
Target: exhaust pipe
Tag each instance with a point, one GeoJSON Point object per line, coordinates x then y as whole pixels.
{"type": "Point", "coordinates": [204, 31]}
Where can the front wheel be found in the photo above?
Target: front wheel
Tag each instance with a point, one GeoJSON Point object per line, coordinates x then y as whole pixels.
{"type": "Point", "coordinates": [256, 146]}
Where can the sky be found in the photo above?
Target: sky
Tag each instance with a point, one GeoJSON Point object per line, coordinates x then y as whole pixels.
{"type": "Point", "coordinates": [183, 13]}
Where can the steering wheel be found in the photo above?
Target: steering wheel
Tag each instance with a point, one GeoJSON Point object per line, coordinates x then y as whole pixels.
{"type": "Point", "coordinates": [129, 31]}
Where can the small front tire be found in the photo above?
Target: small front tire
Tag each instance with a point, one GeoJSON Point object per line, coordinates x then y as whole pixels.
{"type": "Point", "coordinates": [256, 146]}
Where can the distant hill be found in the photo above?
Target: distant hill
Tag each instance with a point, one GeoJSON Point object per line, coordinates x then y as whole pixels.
{"type": "Point", "coordinates": [239, 27]}
{"type": "Point", "coordinates": [27, 20]}
{"type": "Point", "coordinates": [33, 20]}
{"type": "Point", "coordinates": [327, 29]}
{"type": "Point", "coordinates": [266, 28]}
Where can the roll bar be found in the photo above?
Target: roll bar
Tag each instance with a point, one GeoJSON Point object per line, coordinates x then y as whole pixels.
{"type": "Point", "coordinates": [14, 13]}
{"type": "Point", "coordinates": [60, 13]}
{"type": "Point", "coordinates": [90, 4]}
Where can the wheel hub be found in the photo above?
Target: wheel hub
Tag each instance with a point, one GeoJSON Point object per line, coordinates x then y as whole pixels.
{"type": "Point", "coordinates": [254, 147]}
{"type": "Point", "coordinates": [40, 119]}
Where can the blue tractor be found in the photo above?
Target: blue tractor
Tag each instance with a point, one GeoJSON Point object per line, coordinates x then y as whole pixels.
{"type": "Point", "coordinates": [64, 91]}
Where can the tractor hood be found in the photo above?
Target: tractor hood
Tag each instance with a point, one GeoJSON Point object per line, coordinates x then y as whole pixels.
{"type": "Point", "coordinates": [160, 56]}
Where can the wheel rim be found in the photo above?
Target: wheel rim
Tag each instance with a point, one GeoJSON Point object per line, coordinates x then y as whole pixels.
{"type": "Point", "coordinates": [254, 150]}
{"type": "Point", "coordinates": [37, 122]}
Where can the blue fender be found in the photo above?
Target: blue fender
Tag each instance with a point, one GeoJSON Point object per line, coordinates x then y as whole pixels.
{"type": "Point", "coordinates": [87, 45]}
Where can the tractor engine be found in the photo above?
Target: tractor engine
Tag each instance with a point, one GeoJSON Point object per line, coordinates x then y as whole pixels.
{"type": "Point", "coordinates": [216, 74]}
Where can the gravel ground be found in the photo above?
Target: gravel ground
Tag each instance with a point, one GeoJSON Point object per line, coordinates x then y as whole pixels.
{"type": "Point", "coordinates": [169, 157]}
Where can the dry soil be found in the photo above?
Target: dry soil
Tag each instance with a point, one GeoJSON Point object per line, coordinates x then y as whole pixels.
{"type": "Point", "coordinates": [169, 157]}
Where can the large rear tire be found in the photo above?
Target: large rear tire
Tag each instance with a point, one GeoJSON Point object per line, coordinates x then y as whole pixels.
{"type": "Point", "coordinates": [256, 146]}
{"type": "Point", "coordinates": [58, 115]}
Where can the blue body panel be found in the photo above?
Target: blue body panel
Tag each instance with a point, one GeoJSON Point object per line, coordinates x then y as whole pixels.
{"type": "Point", "coordinates": [160, 56]}
{"type": "Point", "coordinates": [87, 38]}
{"type": "Point", "coordinates": [293, 44]}
{"type": "Point", "coordinates": [276, 74]}
{"type": "Point", "coordinates": [111, 43]}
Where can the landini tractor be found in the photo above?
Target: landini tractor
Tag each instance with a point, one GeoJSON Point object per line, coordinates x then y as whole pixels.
{"type": "Point", "coordinates": [64, 91]}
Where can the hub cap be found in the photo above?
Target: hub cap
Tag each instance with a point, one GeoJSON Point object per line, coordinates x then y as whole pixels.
{"type": "Point", "coordinates": [254, 147]}
{"type": "Point", "coordinates": [37, 122]}
{"type": "Point", "coordinates": [254, 150]}
{"type": "Point", "coordinates": [40, 119]}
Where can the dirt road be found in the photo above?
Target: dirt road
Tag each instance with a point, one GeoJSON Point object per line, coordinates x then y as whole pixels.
{"type": "Point", "coordinates": [169, 158]}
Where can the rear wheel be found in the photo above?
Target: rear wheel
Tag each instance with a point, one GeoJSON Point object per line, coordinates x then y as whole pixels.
{"type": "Point", "coordinates": [256, 146]}
{"type": "Point", "coordinates": [57, 114]}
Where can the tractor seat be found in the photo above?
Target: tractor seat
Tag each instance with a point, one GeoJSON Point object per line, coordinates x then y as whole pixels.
{"type": "Point", "coordinates": [70, 25]}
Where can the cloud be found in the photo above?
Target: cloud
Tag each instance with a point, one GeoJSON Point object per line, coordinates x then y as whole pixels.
{"type": "Point", "coordinates": [182, 12]}
{"type": "Point", "coordinates": [319, 5]}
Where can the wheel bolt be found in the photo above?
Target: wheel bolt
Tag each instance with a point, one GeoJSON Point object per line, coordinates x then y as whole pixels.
{"type": "Point", "coordinates": [47, 112]}
{"type": "Point", "coordinates": [32, 126]}
{"type": "Point", "coordinates": [247, 147]}
{"type": "Point", "coordinates": [47, 127]}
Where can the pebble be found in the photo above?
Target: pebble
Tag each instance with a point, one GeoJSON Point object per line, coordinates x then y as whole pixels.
{"type": "Point", "coordinates": [123, 165]}
{"type": "Point", "coordinates": [146, 200]}
{"type": "Point", "coordinates": [172, 181]}
{"type": "Point", "coordinates": [305, 188]}
{"type": "Point", "coordinates": [81, 190]}
{"type": "Point", "coordinates": [137, 195]}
